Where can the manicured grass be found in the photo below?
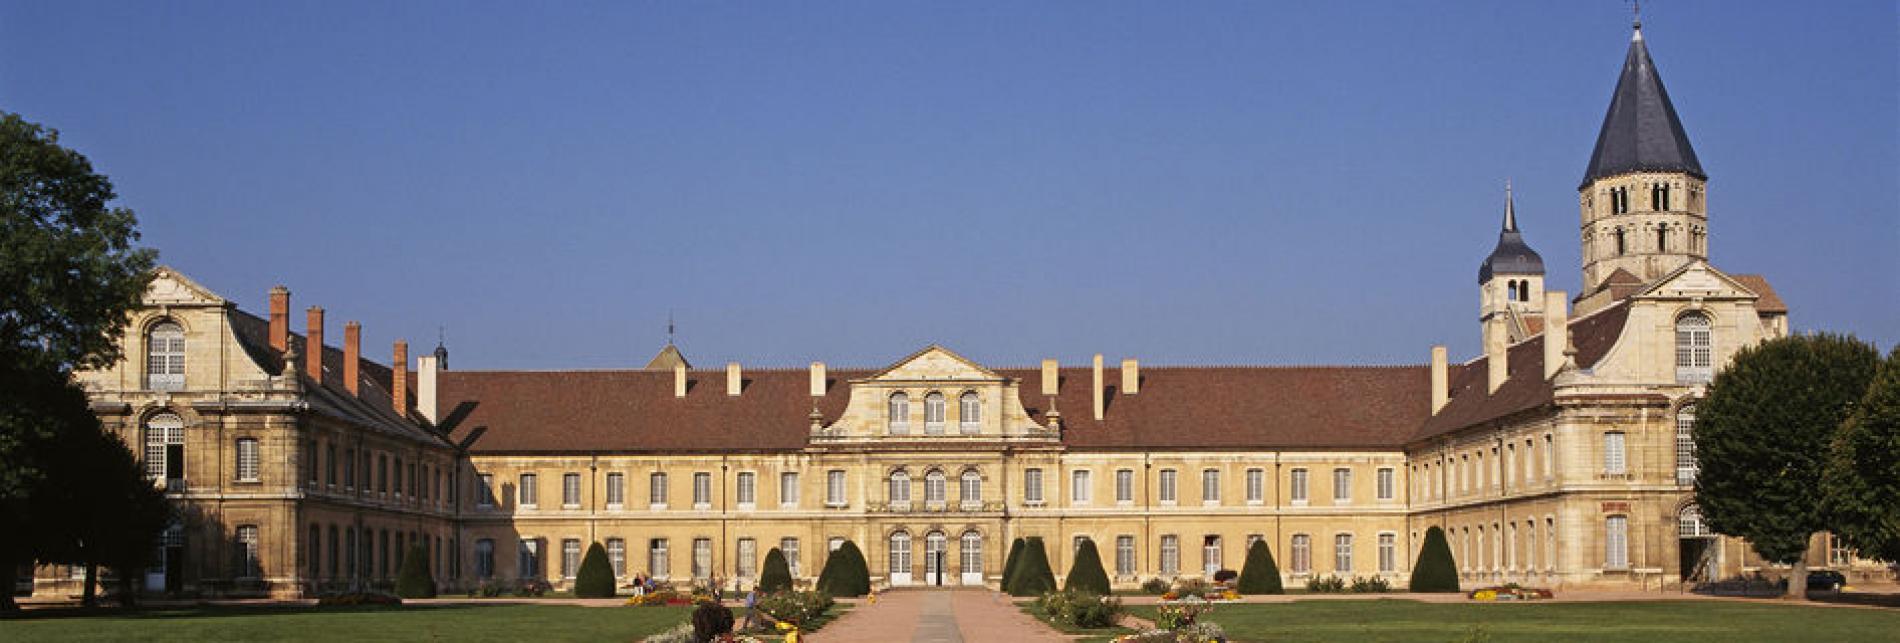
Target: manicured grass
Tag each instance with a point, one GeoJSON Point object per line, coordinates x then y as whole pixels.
{"type": "Point", "coordinates": [1405, 620]}
{"type": "Point", "coordinates": [413, 623]}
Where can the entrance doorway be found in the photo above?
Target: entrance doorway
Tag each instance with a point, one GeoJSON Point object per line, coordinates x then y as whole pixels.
{"type": "Point", "coordinates": [1698, 556]}
{"type": "Point", "coordinates": [900, 558]}
{"type": "Point", "coordinates": [935, 550]}
{"type": "Point", "coordinates": [168, 563]}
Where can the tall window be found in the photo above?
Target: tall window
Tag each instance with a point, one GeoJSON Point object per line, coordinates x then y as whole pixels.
{"type": "Point", "coordinates": [1342, 485]}
{"type": "Point", "coordinates": [1616, 553]}
{"type": "Point", "coordinates": [1125, 556]}
{"type": "Point", "coordinates": [970, 489]}
{"type": "Point", "coordinates": [934, 487]}
{"type": "Point", "coordinates": [789, 547]}
{"type": "Point", "coordinates": [834, 488]}
{"type": "Point", "coordinates": [970, 553]}
{"type": "Point", "coordinates": [702, 558]}
{"type": "Point", "coordinates": [247, 551]}
{"type": "Point", "coordinates": [247, 459]}
{"type": "Point", "coordinates": [1168, 486]}
{"type": "Point", "coordinates": [616, 489]}
{"type": "Point", "coordinates": [1296, 486]}
{"type": "Point", "coordinates": [702, 490]}
{"type": "Point", "coordinates": [1386, 484]}
{"type": "Point", "coordinates": [570, 490]}
{"type": "Point", "coordinates": [528, 491]}
{"type": "Point", "coordinates": [899, 417]}
{"type": "Point", "coordinates": [1170, 555]}
{"type": "Point", "coordinates": [900, 487]}
{"type": "Point", "coordinates": [788, 489]}
{"type": "Point", "coordinates": [165, 450]}
{"type": "Point", "coordinates": [398, 475]}
{"type": "Point", "coordinates": [933, 413]}
{"type": "Point", "coordinates": [1211, 554]}
{"type": "Point", "coordinates": [349, 468]}
{"type": "Point", "coordinates": [485, 495]}
{"type": "Point", "coordinates": [748, 558]}
{"type": "Point", "coordinates": [165, 357]}
{"type": "Point", "coordinates": [1032, 486]}
{"type": "Point", "coordinates": [900, 553]}
{"type": "Point", "coordinates": [1079, 487]}
{"type": "Point", "coordinates": [528, 557]}
{"type": "Point", "coordinates": [1210, 486]}
{"type": "Point", "coordinates": [748, 483]}
{"type": "Point", "coordinates": [969, 413]}
{"type": "Point", "coordinates": [659, 559]}
{"type": "Point", "coordinates": [1613, 462]}
{"type": "Point", "coordinates": [656, 490]}
{"type": "Point", "coordinates": [1388, 553]}
{"type": "Point", "coordinates": [1256, 486]}
{"type": "Point", "coordinates": [485, 558]}
{"type": "Point", "coordinates": [617, 554]}
{"type": "Point", "coordinates": [329, 465]}
{"type": "Point", "coordinates": [1124, 486]}
{"type": "Point", "coordinates": [1342, 553]}
{"type": "Point", "coordinates": [1302, 554]}
{"type": "Point", "coordinates": [1685, 446]}
{"type": "Point", "coordinates": [1692, 349]}
{"type": "Point", "coordinates": [570, 557]}
{"type": "Point", "coordinates": [382, 473]}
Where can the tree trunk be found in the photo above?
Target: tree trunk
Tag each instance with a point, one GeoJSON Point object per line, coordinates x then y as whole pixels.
{"type": "Point", "coordinates": [90, 597]}
{"type": "Point", "coordinates": [1798, 582]}
{"type": "Point", "coordinates": [9, 574]}
{"type": "Point", "coordinates": [128, 589]}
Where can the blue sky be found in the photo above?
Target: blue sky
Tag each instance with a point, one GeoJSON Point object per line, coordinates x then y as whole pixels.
{"type": "Point", "coordinates": [1208, 183]}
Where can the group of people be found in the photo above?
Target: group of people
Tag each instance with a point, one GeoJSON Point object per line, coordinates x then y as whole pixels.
{"type": "Point", "coordinates": [643, 584]}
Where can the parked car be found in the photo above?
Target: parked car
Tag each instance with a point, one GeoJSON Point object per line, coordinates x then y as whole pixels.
{"type": "Point", "coordinates": [1822, 580]}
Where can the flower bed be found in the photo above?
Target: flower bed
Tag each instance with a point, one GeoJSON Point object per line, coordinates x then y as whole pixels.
{"type": "Point", "coordinates": [666, 597]}
{"type": "Point", "coordinates": [1512, 592]}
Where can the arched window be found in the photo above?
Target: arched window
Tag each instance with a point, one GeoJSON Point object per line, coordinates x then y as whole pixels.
{"type": "Point", "coordinates": [969, 412]}
{"type": "Point", "coordinates": [1685, 445]}
{"type": "Point", "coordinates": [900, 557]}
{"type": "Point", "coordinates": [1692, 349]}
{"type": "Point", "coordinates": [165, 450]}
{"type": "Point", "coordinates": [933, 413]}
{"type": "Point", "coordinates": [1689, 523]}
{"type": "Point", "coordinates": [971, 488]}
{"type": "Point", "coordinates": [936, 553]}
{"type": "Point", "coordinates": [934, 483]}
{"type": "Point", "coordinates": [900, 487]}
{"type": "Point", "coordinates": [970, 556]}
{"type": "Point", "coordinates": [165, 357]}
{"type": "Point", "coordinates": [899, 413]}
{"type": "Point", "coordinates": [1662, 237]}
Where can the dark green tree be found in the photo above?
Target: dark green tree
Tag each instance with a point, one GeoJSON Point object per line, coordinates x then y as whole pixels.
{"type": "Point", "coordinates": [1033, 576]}
{"type": "Point", "coordinates": [1863, 476]}
{"type": "Point", "coordinates": [776, 576]}
{"type": "Point", "coordinates": [1009, 563]}
{"type": "Point", "coordinates": [1260, 575]}
{"type": "Point", "coordinates": [845, 573]}
{"type": "Point", "coordinates": [595, 579]}
{"type": "Point", "coordinates": [1762, 439]}
{"type": "Point", "coordinates": [96, 508]}
{"type": "Point", "coordinates": [1086, 574]}
{"type": "Point", "coordinates": [1435, 570]}
{"type": "Point", "coordinates": [414, 580]}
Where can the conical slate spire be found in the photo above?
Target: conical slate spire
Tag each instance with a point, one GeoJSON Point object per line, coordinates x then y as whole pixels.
{"type": "Point", "coordinates": [1641, 131]}
{"type": "Point", "coordinates": [1512, 256]}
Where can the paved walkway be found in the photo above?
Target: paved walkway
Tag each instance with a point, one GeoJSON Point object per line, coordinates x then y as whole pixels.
{"type": "Point", "coordinates": [937, 616]}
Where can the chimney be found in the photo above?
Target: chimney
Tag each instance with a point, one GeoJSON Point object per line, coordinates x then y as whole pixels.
{"type": "Point", "coordinates": [399, 379]}
{"type": "Point", "coordinates": [1098, 387]}
{"type": "Point", "coordinates": [679, 379]}
{"type": "Point", "coordinates": [817, 379]}
{"type": "Point", "coordinates": [1441, 380]}
{"type": "Point", "coordinates": [734, 379]}
{"type": "Point", "coordinates": [352, 352]}
{"type": "Point", "coordinates": [279, 318]}
{"type": "Point", "coordinates": [313, 349]}
{"type": "Point", "coordinates": [1131, 377]}
{"type": "Point", "coordinates": [1496, 350]}
{"type": "Point", "coordinates": [1051, 377]}
{"type": "Point", "coordinates": [427, 369]}
{"type": "Point", "coordinates": [1556, 331]}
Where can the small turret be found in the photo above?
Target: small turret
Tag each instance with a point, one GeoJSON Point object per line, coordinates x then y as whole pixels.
{"type": "Point", "coordinates": [1511, 281]}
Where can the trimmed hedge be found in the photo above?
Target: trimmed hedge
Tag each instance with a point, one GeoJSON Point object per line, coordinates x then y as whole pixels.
{"type": "Point", "coordinates": [1260, 575]}
{"type": "Point", "coordinates": [1086, 574]}
{"type": "Point", "coordinates": [1435, 570]}
{"type": "Point", "coordinates": [777, 576]}
{"type": "Point", "coordinates": [1033, 576]}
{"type": "Point", "coordinates": [414, 581]}
{"type": "Point", "coordinates": [596, 576]}
{"type": "Point", "coordinates": [1009, 564]}
{"type": "Point", "coordinates": [845, 573]}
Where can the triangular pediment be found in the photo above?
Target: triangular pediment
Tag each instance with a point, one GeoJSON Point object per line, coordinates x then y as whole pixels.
{"type": "Point", "coordinates": [936, 363]}
{"type": "Point", "coordinates": [1696, 279]}
{"type": "Point", "coordinates": [172, 288]}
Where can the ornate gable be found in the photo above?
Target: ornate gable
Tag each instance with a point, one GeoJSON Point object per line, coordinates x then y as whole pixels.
{"type": "Point", "coordinates": [171, 288]}
{"type": "Point", "coordinates": [1697, 280]}
{"type": "Point", "coordinates": [935, 363]}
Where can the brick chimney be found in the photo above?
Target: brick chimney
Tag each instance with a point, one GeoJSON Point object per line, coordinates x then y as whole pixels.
{"type": "Point", "coordinates": [352, 353]}
{"type": "Point", "coordinates": [399, 379]}
{"type": "Point", "coordinates": [313, 349]}
{"type": "Point", "coordinates": [279, 318]}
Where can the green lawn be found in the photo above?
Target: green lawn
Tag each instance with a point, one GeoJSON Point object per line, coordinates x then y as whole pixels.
{"type": "Point", "coordinates": [1404, 620]}
{"type": "Point", "coordinates": [417, 623]}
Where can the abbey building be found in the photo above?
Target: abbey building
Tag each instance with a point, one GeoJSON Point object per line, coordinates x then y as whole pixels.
{"type": "Point", "coordinates": [1561, 456]}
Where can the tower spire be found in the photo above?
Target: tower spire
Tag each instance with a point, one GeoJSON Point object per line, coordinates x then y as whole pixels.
{"type": "Point", "coordinates": [1510, 209]}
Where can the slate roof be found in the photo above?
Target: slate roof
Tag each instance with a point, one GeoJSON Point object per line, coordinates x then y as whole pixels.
{"type": "Point", "coordinates": [1641, 131]}
{"type": "Point", "coordinates": [1511, 256]}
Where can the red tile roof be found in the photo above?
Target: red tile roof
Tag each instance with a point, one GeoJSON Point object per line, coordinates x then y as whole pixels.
{"type": "Point", "coordinates": [1525, 387]}
{"type": "Point", "coordinates": [1770, 301]}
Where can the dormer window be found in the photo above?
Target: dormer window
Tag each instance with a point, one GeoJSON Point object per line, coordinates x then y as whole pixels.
{"type": "Point", "coordinates": [899, 413]}
{"type": "Point", "coordinates": [933, 413]}
{"type": "Point", "coordinates": [165, 357]}
{"type": "Point", "coordinates": [969, 413]}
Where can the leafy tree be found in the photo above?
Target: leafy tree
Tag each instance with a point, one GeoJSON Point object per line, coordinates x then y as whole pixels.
{"type": "Point", "coordinates": [777, 576]}
{"type": "Point", "coordinates": [1435, 571]}
{"type": "Point", "coordinates": [1009, 564]}
{"type": "Point", "coordinates": [414, 580]}
{"type": "Point", "coordinates": [845, 573]}
{"type": "Point", "coordinates": [1762, 439]}
{"type": "Point", "coordinates": [1086, 574]}
{"type": "Point", "coordinates": [1260, 575]}
{"type": "Point", "coordinates": [1863, 476]}
{"type": "Point", "coordinates": [1033, 576]}
{"type": "Point", "coordinates": [96, 507]}
{"type": "Point", "coordinates": [595, 579]}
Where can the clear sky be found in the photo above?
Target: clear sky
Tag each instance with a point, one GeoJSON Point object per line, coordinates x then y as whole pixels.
{"type": "Point", "coordinates": [1199, 183]}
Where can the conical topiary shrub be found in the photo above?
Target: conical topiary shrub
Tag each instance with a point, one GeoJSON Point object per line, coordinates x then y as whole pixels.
{"type": "Point", "coordinates": [1435, 570]}
{"type": "Point", "coordinates": [845, 573]}
{"type": "Point", "coordinates": [1260, 575]}
{"type": "Point", "coordinates": [1087, 575]}
{"type": "Point", "coordinates": [414, 580]}
{"type": "Point", "coordinates": [1033, 576]}
{"type": "Point", "coordinates": [596, 576]}
{"type": "Point", "coordinates": [1009, 564]}
{"type": "Point", "coordinates": [777, 576]}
